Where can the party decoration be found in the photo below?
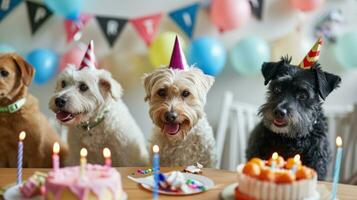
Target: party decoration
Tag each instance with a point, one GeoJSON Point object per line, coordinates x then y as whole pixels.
{"type": "Point", "coordinates": [73, 56]}
{"type": "Point", "coordinates": [38, 15]}
{"type": "Point", "coordinates": [306, 5]}
{"type": "Point", "coordinates": [178, 59]}
{"type": "Point", "coordinates": [208, 54]}
{"type": "Point", "coordinates": [111, 27]}
{"type": "Point", "coordinates": [230, 14]}
{"type": "Point", "coordinates": [330, 25]}
{"type": "Point", "coordinates": [6, 6]}
{"type": "Point", "coordinates": [89, 57]}
{"type": "Point", "coordinates": [5, 48]}
{"type": "Point", "coordinates": [248, 55]}
{"type": "Point", "coordinates": [185, 18]}
{"type": "Point", "coordinates": [74, 27]}
{"type": "Point", "coordinates": [45, 62]}
{"type": "Point", "coordinates": [312, 56]}
{"type": "Point", "coordinates": [69, 9]}
{"type": "Point", "coordinates": [161, 48]}
{"type": "Point", "coordinates": [346, 48]}
{"type": "Point", "coordinates": [257, 8]}
{"type": "Point", "coordinates": [147, 26]}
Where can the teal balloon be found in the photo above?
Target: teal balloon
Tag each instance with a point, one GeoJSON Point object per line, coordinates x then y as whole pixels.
{"type": "Point", "coordinates": [208, 54]}
{"type": "Point", "coordinates": [45, 62]}
{"type": "Point", "coordinates": [248, 55]}
{"type": "Point", "coordinates": [69, 9]}
{"type": "Point", "coordinates": [345, 50]}
{"type": "Point", "coordinates": [4, 48]}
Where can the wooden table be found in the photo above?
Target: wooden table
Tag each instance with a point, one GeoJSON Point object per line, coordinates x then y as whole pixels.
{"type": "Point", "coordinates": [221, 178]}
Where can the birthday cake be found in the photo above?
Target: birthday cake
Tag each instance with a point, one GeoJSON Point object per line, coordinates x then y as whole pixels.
{"type": "Point", "coordinates": [98, 182]}
{"type": "Point", "coordinates": [258, 179]}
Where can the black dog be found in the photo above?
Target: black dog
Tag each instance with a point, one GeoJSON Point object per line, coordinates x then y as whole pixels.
{"type": "Point", "coordinates": [293, 121]}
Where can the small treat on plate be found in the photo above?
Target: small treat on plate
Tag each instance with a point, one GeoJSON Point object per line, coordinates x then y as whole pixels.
{"type": "Point", "coordinates": [194, 169]}
{"type": "Point", "coordinates": [174, 181]}
{"type": "Point", "coordinates": [33, 186]}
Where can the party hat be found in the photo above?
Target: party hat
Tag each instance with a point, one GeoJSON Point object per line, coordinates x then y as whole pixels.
{"type": "Point", "coordinates": [312, 56]}
{"type": "Point", "coordinates": [178, 59]}
{"type": "Point", "coordinates": [89, 57]}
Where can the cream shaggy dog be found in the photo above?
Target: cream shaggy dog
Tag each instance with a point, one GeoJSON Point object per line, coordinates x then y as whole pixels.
{"type": "Point", "coordinates": [176, 99]}
{"type": "Point", "coordinates": [88, 102]}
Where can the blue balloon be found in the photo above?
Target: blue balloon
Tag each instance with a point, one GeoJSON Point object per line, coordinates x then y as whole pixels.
{"type": "Point", "coordinates": [248, 55]}
{"type": "Point", "coordinates": [45, 62]}
{"type": "Point", "coordinates": [4, 48]}
{"type": "Point", "coordinates": [345, 50]}
{"type": "Point", "coordinates": [208, 54]}
{"type": "Point", "coordinates": [67, 8]}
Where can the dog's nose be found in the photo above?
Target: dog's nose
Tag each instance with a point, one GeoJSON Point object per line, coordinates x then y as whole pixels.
{"type": "Point", "coordinates": [60, 102]}
{"type": "Point", "coordinates": [170, 116]}
{"type": "Point", "coordinates": [280, 112]}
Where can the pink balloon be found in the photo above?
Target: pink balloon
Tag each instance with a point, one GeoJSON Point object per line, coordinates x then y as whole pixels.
{"type": "Point", "coordinates": [230, 14]}
{"type": "Point", "coordinates": [307, 5]}
{"type": "Point", "coordinates": [73, 56]}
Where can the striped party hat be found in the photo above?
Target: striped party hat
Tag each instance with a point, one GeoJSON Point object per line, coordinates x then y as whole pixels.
{"type": "Point", "coordinates": [89, 57]}
{"type": "Point", "coordinates": [312, 56]}
{"type": "Point", "coordinates": [178, 59]}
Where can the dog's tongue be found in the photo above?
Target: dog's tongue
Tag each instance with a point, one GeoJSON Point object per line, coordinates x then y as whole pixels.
{"type": "Point", "coordinates": [171, 128]}
{"type": "Point", "coordinates": [64, 116]}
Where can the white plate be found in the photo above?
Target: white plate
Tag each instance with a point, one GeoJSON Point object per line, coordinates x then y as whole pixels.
{"type": "Point", "coordinates": [13, 193]}
{"type": "Point", "coordinates": [148, 182]}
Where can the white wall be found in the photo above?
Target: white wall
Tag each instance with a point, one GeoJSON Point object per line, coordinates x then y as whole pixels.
{"type": "Point", "coordinates": [127, 60]}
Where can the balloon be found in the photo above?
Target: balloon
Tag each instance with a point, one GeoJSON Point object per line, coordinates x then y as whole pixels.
{"type": "Point", "coordinates": [45, 63]}
{"type": "Point", "coordinates": [207, 54]}
{"type": "Point", "coordinates": [307, 5]}
{"type": "Point", "coordinates": [248, 55]}
{"type": "Point", "coordinates": [230, 14]}
{"type": "Point", "coordinates": [67, 8]}
{"type": "Point", "coordinates": [73, 56]}
{"type": "Point", "coordinates": [4, 48]}
{"type": "Point", "coordinates": [161, 48]}
{"type": "Point", "coordinates": [345, 50]}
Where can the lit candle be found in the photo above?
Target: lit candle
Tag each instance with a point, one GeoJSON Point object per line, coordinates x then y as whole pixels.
{"type": "Point", "coordinates": [83, 161]}
{"type": "Point", "coordinates": [55, 157]}
{"type": "Point", "coordinates": [107, 157]}
{"type": "Point", "coordinates": [274, 158]}
{"type": "Point", "coordinates": [20, 152]}
{"type": "Point", "coordinates": [336, 172]}
{"type": "Point", "coordinates": [296, 163]}
{"type": "Point", "coordinates": [156, 167]}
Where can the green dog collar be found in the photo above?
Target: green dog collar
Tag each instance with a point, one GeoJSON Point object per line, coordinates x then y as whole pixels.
{"type": "Point", "coordinates": [13, 107]}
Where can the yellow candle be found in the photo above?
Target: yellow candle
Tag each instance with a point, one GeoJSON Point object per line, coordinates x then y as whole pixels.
{"type": "Point", "coordinates": [83, 161]}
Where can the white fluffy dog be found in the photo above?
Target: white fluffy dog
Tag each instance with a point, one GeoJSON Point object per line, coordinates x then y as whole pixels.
{"type": "Point", "coordinates": [176, 99]}
{"type": "Point", "coordinates": [88, 101]}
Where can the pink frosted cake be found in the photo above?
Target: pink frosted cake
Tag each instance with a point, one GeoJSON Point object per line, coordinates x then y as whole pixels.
{"type": "Point", "coordinates": [99, 182]}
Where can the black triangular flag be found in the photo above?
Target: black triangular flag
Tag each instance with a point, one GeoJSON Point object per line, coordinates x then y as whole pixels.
{"type": "Point", "coordinates": [111, 27]}
{"type": "Point", "coordinates": [6, 6]}
{"type": "Point", "coordinates": [257, 8]}
{"type": "Point", "coordinates": [38, 15]}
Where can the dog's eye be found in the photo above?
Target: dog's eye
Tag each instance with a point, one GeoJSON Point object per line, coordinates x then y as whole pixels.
{"type": "Point", "coordinates": [83, 87]}
{"type": "Point", "coordinates": [161, 92]}
{"type": "Point", "coordinates": [302, 96]}
{"type": "Point", "coordinates": [4, 73]}
{"type": "Point", "coordinates": [185, 93]}
{"type": "Point", "coordinates": [63, 84]}
{"type": "Point", "coordinates": [276, 90]}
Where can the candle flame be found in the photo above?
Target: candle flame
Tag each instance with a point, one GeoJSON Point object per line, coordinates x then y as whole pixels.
{"type": "Point", "coordinates": [275, 155]}
{"type": "Point", "coordinates": [106, 152]}
{"type": "Point", "coordinates": [296, 158]}
{"type": "Point", "coordinates": [56, 148]}
{"type": "Point", "coordinates": [339, 141]}
{"type": "Point", "coordinates": [155, 148]}
{"type": "Point", "coordinates": [22, 135]}
{"type": "Point", "coordinates": [84, 152]}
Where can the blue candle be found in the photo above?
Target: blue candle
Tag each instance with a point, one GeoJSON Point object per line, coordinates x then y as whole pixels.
{"type": "Point", "coordinates": [274, 157]}
{"type": "Point", "coordinates": [156, 167]}
{"type": "Point", "coordinates": [20, 152]}
{"type": "Point", "coordinates": [336, 172]}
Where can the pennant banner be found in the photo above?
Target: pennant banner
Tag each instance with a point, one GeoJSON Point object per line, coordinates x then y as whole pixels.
{"type": "Point", "coordinates": [147, 26]}
{"type": "Point", "coordinates": [74, 27]}
{"type": "Point", "coordinates": [185, 18]}
{"type": "Point", "coordinates": [257, 8]}
{"type": "Point", "coordinates": [6, 6]}
{"type": "Point", "coordinates": [38, 15]}
{"type": "Point", "coordinates": [111, 27]}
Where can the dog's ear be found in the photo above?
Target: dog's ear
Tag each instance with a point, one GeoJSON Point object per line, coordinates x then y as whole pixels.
{"type": "Point", "coordinates": [25, 68]}
{"type": "Point", "coordinates": [269, 71]}
{"type": "Point", "coordinates": [206, 80]}
{"type": "Point", "coordinates": [146, 81]}
{"type": "Point", "coordinates": [109, 86]}
{"type": "Point", "coordinates": [326, 82]}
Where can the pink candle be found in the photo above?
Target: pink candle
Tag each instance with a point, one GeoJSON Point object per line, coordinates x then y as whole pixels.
{"type": "Point", "coordinates": [107, 157]}
{"type": "Point", "coordinates": [55, 157]}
